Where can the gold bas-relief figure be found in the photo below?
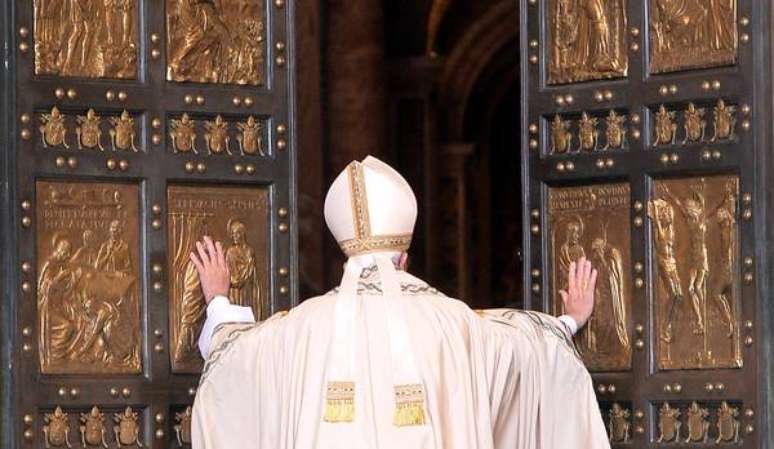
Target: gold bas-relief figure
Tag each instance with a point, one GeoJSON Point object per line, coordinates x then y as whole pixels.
{"type": "Point", "coordinates": [615, 133]}
{"type": "Point", "coordinates": [728, 425]}
{"type": "Point", "coordinates": [183, 135]}
{"type": "Point", "coordinates": [86, 38]}
{"type": "Point", "coordinates": [122, 135]}
{"type": "Point", "coordinates": [217, 136]}
{"type": "Point", "coordinates": [587, 40]}
{"type": "Point", "coordinates": [56, 429]}
{"type": "Point", "coordinates": [88, 131]}
{"type": "Point", "coordinates": [694, 124]}
{"type": "Point", "coordinates": [695, 246]}
{"type": "Point", "coordinates": [668, 424]}
{"type": "Point", "coordinates": [561, 137]}
{"type": "Point", "coordinates": [53, 130]}
{"type": "Point", "coordinates": [240, 258]}
{"type": "Point", "coordinates": [127, 428]}
{"type": "Point", "coordinates": [251, 137]}
{"type": "Point", "coordinates": [92, 428]}
{"type": "Point", "coordinates": [724, 120]}
{"type": "Point", "coordinates": [88, 296]}
{"type": "Point", "coordinates": [666, 128]}
{"type": "Point", "coordinates": [235, 216]}
{"type": "Point", "coordinates": [219, 41]}
{"type": "Point", "coordinates": [587, 133]}
{"type": "Point", "coordinates": [691, 34]}
{"type": "Point", "coordinates": [589, 221]}
{"type": "Point", "coordinates": [698, 426]}
{"type": "Point", "coordinates": [183, 426]}
{"type": "Point", "coordinates": [618, 425]}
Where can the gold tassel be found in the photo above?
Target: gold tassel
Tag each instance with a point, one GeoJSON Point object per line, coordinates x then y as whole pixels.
{"type": "Point", "coordinates": [409, 405]}
{"type": "Point", "coordinates": [340, 402]}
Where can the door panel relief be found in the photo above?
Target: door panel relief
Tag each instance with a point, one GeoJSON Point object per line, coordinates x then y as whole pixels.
{"type": "Point", "coordinates": [91, 39]}
{"type": "Point", "coordinates": [692, 34]}
{"type": "Point", "coordinates": [237, 217]}
{"type": "Point", "coordinates": [216, 42]}
{"type": "Point", "coordinates": [592, 222]}
{"type": "Point", "coordinates": [694, 223]}
{"type": "Point", "coordinates": [89, 278]}
{"type": "Point", "coordinates": [587, 40]}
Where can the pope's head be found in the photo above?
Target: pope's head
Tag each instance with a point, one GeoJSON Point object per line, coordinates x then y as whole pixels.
{"type": "Point", "coordinates": [370, 208]}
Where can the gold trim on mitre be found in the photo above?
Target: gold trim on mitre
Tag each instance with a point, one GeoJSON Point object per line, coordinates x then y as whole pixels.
{"type": "Point", "coordinates": [364, 242]}
{"type": "Point", "coordinates": [354, 247]}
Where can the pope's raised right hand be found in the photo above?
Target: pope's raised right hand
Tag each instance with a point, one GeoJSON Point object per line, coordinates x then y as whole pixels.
{"type": "Point", "coordinates": [212, 268]}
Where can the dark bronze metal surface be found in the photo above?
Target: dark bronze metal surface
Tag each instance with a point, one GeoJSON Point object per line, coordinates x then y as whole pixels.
{"type": "Point", "coordinates": [93, 314]}
{"type": "Point", "coordinates": [689, 79]}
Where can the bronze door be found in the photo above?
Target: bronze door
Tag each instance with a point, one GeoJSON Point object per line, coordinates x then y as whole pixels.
{"type": "Point", "coordinates": [137, 127]}
{"type": "Point", "coordinates": [640, 147]}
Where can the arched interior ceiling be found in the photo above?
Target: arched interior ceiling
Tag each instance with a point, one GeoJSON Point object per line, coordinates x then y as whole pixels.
{"type": "Point", "coordinates": [431, 26]}
{"type": "Point", "coordinates": [487, 47]}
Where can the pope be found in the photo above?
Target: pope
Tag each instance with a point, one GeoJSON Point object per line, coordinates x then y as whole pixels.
{"type": "Point", "coordinates": [385, 360]}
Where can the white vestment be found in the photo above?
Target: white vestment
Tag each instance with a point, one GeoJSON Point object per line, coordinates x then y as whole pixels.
{"type": "Point", "coordinates": [493, 379]}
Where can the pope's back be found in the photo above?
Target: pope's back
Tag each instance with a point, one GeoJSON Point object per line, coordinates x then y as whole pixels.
{"type": "Point", "coordinates": [387, 361]}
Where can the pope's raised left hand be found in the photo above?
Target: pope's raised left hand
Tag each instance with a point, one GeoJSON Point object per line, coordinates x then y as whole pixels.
{"type": "Point", "coordinates": [579, 297]}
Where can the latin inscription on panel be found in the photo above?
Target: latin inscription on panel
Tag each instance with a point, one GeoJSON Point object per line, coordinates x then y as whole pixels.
{"type": "Point", "coordinates": [235, 216]}
{"type": "Point", "coordinates": [86, 38]}
{"type": "Point", "coordinates": [587, 40]}
{"type": "Point", "coordinates": [220, 41]}
{"type": "Point", "coordinates": [694, 254]}
{"type": "Point", "coordinates": [691, 34]}
{"type": "Point", "coordinates": [88, 278]}
{"type": "Point", "coordinates": [593, 221]}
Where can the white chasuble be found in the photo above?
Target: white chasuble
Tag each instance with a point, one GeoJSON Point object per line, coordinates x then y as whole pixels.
{"type": "Point", "coordinates": [502, 379]}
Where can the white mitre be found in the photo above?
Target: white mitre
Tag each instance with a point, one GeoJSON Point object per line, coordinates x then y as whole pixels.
{"type": "Point", "coordinates": [371, 208]}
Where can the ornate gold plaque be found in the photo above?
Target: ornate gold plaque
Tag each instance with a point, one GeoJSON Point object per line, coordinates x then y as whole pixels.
{"type": "Point", "coordinates": [88, 278]}
{"type": "Point", "coordinates": [238, 218]}
{"type": "Point", "coordinates": [698, 425]}
{"type": "Point", "coordinates": [696, 283]}
{"type": "Point", "coordinates": [86, 38]}
{"type": "Point", "coordinates": [593, 221]}
{"type": "Point", "coordinates": [692, 34]}
{"type": "Point", "coordinates": [728, 424]}
{"type": "Point", "coordinates": [586, 40]}
{"type": "Point", "coordinates": [219, 41]}
{"type": "Point", "coordinates": [619, 424]}
{"type": "Point", "coordinates": [561, 137]}
{"type": "Point", "coordinates": [669, 424]}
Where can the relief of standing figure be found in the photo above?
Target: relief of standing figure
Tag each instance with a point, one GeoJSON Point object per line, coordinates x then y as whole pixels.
{"type": "Point", "coordinates": [663, 216]}
{"type": "Point", "coordinates": [693, 210]}
{"type": "Point", "coordinates": [725, 215]}
{"type": "Point", "coordinates": [244, 290]}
